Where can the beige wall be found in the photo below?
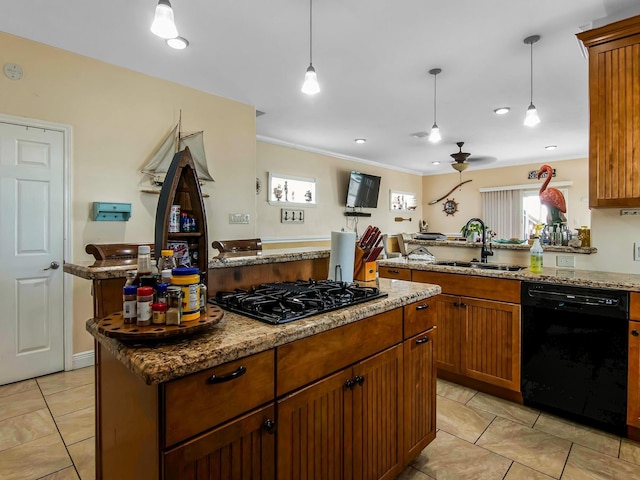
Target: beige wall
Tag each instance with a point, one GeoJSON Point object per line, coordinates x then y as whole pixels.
{"type": "Point", "coordinates": [468, 196]}
{"type": "Point", "coordinates": [118, 117]}
{"type": "Point", "coordinates": [332, 176]}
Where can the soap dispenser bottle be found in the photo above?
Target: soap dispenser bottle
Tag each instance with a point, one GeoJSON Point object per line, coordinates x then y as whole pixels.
{"type": "Point", "coordinates": [535, 259]}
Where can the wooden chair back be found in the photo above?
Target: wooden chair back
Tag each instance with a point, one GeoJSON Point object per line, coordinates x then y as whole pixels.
{"type": "Point", "coordinates": [246, 245]}
{"type": "Point", "coordinates": [114, 251]}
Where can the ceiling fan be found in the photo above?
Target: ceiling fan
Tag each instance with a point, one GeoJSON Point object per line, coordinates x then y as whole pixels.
{"type": "Point", "coordinates": [464, 159]}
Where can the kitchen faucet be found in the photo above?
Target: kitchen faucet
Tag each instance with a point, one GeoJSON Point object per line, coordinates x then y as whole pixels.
{"type": "Point", "coordinates": [485, 252]}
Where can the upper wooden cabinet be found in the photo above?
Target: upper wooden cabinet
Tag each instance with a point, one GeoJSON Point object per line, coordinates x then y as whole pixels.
{"type": "Point", "coordinates": [614, 99]}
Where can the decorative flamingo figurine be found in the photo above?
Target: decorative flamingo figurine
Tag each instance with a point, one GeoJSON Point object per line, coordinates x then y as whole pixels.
{"type": "Point", "coordinates": [552, 198]}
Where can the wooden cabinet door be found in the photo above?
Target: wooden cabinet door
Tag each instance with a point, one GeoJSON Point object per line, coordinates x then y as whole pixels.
{"type": "Point", "coordinates": [419, 393]}
{"type": "Point", "coordinates": [633, 392]}
{"type": "Point", "coordinates": [314, 430]}
{"type": "Point", "coordinates": [242, 449]}
{"type": "Point", "coordinates": [491, 342]}
{"type": "Point", "coordinates": [614, 140]}
{"type": "Point", "coordinates": [447, 350]}
{"type": "Point", "coordinates": [377, 417]}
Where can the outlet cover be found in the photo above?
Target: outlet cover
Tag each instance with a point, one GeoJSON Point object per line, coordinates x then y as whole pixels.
{"type": "Point", "coordinates": [565, 261]}
{"type": "Point", "coordinates": [636, 251]}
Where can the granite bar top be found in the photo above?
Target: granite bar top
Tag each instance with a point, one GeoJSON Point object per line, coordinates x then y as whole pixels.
{"type": "Point", "coordinates": [105, 269]}
{"type": "Point", "coordinates": [237, 336]}
{"type": "Point", "coordinates": [565, 276]}
{"type": "Point", "coordinates": [503, 246]}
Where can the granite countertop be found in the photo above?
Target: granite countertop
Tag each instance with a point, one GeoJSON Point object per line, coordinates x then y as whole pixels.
{"type": "Point", "coordinates": [237, 336]}
{"type": "Point", "coordinates": [504, 246]}
{"type": "Point", "coordinates": [565, 276]}
{"type": "Point", "coordinates": [105, 269]}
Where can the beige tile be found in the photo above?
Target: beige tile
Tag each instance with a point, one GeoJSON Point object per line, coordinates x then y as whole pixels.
{"type": "Point", "coordinates": [587, 437]}
{"type": "Point", "coordinates": [21, 403]}
{"type": "Point", "coordinates": [77, 426]}
{"type": "Point", "coordinates": [532, 448]}
{"type": "Point", "coordinates": [504, 408]}
{"type": "Point", "coordinates": [70, 400]}
{"type": "Point", "coordinates": [411, 473]}
{"type": "Point", "coordinates": [58, 382]}
{"type": "Point", "coordinates": [68, 473]}
{"type": "Point", "coordinates": [84, 458]}
{"type": "Point", "coordinates": [17, 387]}
{"type": "Point", "coordinates": [587, 464]}
{"type": "Point", "coordinates": [450, 458]}
{"type": "Point", "coordinates": [34, 459]}
{"type": "Point", "coordinates": [455, 392]}
{"type": "Point", "coordinates": [630, 451]}
{"type": "Point", "coordinates": [25, 428]}
{"type": "Point", "coordinates": [520, 472]}
{"type": "Point", "coordinates": [460, 420]}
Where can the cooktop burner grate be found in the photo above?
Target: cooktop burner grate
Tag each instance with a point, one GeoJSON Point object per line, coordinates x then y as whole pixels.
{"type": "Point", "coordinates": [284, 302]}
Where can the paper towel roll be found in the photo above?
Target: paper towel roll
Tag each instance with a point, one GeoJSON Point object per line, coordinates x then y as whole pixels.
{"type": "Point", "coordinates": [343, 249]}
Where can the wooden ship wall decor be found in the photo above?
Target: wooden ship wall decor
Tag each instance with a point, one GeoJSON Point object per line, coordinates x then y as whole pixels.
{"type": "Point", "coordinates": [181, 187]}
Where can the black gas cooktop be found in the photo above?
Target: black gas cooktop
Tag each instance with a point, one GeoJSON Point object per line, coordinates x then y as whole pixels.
{"type": "Point", "coordinates": [284, 302]}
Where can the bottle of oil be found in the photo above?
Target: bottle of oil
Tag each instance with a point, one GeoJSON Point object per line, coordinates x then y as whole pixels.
{"type": "Point", "coordinates": [535, 260]}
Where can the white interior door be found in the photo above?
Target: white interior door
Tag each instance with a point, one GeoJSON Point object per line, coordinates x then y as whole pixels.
{"type": "Point", "coordinates": [31, 252]}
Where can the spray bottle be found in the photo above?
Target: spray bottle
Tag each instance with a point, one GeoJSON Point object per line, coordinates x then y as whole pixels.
{"type": "Point", "coordinates": [535, 260]}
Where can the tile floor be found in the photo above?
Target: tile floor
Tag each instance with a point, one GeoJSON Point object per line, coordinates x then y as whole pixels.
{"type": "Point", "coordinates": [47, 432]}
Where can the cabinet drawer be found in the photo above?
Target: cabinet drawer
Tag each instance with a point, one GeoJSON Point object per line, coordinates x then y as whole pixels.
{"type": "Point", "coordinates": [500, 289]}
{"type": "Point", "coordinates": [396, 273]}
{"type": "Point", "coordinates": [309, 359]}
{"type": "Point", "coordinates": [419, 316]}
{"type": "Point", "coordinates": [196, 403]}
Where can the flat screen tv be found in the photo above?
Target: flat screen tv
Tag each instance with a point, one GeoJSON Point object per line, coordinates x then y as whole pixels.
{"type": "Point", "coordinates": [363, 190]}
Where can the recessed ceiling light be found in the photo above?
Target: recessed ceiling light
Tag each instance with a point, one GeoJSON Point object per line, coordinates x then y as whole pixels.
{"type": "Point", "coordinates": [360, 140]}
{"type": "Point", "coordinates": [501, 110]}
{"type": "Point", "coordinates": [550, 147]}
{"type": "Point", "coordinates": [179, 43]}
{"type": "Point", "coordinates": [436, 163]}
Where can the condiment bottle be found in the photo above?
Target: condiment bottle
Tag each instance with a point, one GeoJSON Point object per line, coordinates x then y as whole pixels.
{"type": "Point", "coordinates": [203, 293]}
{"type": "Point", "coordinates": [535, 260]}
{"type": "Point", "coordinates": [174, 305]}
{"type": "Point", "coordinates": [144, 302]}
{"type": "Point", "coordinates": [188, 279]}
{"type": "Point", "coordinates": [129, 303]}
{"type": "Point", "coordinates": [144, 263]}
{"type": "Point", "coordinates": [167, 261]}
{"type": "Point", "coordinates": [161, 292]}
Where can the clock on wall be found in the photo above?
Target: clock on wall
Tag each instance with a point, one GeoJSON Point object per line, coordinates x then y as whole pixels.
{"type": "Point", "coordinates": [450, 206]}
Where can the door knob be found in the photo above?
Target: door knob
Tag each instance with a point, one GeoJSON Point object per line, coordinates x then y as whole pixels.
{"type": "Point", "coordinates": [53, 266]}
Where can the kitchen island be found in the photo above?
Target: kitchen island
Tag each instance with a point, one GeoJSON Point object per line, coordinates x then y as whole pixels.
{"type": "Point", "coordinates": [161, 412]}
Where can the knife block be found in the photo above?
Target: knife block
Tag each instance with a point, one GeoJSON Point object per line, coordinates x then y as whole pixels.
{"type": "Point", "coordinates": [363, 271]}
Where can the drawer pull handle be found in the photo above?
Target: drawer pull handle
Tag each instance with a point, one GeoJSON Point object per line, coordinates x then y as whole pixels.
{"type": "Point", "coordinates": [422, 340]}
{"type": "Point", "coordinates": [225, 378]}
{"type": "Point", "coordinates": [394, 271]}
{"type": "Point", "coordinates": [463, 305]}
{"type": "Point", "coordinates": [359, 380]}
{"type": "Point", "coordinates": [350, 384]}
{"type": "Point", "coordinates": [635, 333]}
{"type": "Point", "coordinates": [422, 307]}
{"type": "Point", "coordinates": [269, 426]}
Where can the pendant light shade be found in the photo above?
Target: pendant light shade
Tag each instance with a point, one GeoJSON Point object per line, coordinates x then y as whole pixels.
{"type": "Point", "coordinates": [531, 118]}
{"type": "Point", "coordinates": [163, 24]}
{"type": "Point", "coordinates": [434, 136]}
{"type": "Point", "coordinates": [310, 85]}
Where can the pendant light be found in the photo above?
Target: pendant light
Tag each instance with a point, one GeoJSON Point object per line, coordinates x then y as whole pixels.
{"type": "Point", "coordinates": [163, 24]}
{"type": "Point", "coordinates": [434, 136]}
{"type": "Point", "coordinates": [531, 119]}
{"type": "Point", "coordinates": [310, 85]}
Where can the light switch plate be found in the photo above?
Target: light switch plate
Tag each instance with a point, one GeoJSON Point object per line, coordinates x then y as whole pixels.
{"type": "Point", "coordinates": [636, 251]}
{"type": "Point", "coordinates": [288, 215]}
{"type": "Point", "coordinates": [238, 218]}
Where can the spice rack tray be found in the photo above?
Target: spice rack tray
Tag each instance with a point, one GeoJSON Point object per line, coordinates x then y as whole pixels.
{"type": "Point", "coordinates": [113, 326]}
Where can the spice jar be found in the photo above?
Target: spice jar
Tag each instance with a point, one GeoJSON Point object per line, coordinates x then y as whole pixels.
{"type": "Point", "coordinates": [129, 303]}
{"type": "Point", "coordinates": [188, 279]}
{"type": "Point", "coordinates": [159, 313]}
{"type": "Point", "coordinates": [174, 306]}
{"type": "Point", "coordinates": [167, 261]}
{"type": "Point", "coordinates": [144, 301]}
{"type": "Point", "coordinates": [161, 292]}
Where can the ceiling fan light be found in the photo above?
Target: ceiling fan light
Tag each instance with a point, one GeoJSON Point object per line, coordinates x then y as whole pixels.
{"type": "Point", "coordinates": [460, 167]}
{"type": "Point", "coordinates": [531, 119]}
{"type": "Point", "coordinates": [434, 136]}
{"type": "Point", "coordinates": [179, 43]}
{"type": "Point", "coordinates": [164, 25]}
{"type": "Point", "coordinates": [310, 85]}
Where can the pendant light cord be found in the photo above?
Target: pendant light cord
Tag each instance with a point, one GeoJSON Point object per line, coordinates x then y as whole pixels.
{"type": "Point", "coordinates": [531, 44]}
{"type": "Point", "coordinates": [435, 90]}
{"type": "Point", "coordinates": [310, 35]}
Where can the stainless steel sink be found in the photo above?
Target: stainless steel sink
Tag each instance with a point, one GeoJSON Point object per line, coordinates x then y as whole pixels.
{"type": "Point", "coordinates": [481, 266]}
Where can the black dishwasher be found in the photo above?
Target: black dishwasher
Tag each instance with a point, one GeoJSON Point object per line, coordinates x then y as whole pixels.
{"type": "Point", "coordinates": [574, 353]}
